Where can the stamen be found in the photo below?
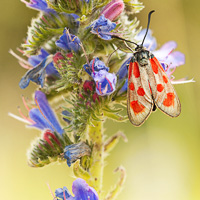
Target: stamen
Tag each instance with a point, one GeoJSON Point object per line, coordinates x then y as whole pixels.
{"type": "Point", "coordinates": [172, 71]}
{"type": "Point", "coordinates": [93, 66]}
{"type": "Point", "coordinates": [100, 88]}
{"type": "Point", "coordinates": [110, 83]}
{"type": "Point", "coordinates": [64, 195]}
{"type": "Point", "coordinates": [21, 51]}
{"type": "Point", "coordinates": [18, 118]}
{"type": "Point", "coordinates": [67, 33]}
{"type": "Point", "coordinates": [51, 191]}
{"type": "Point", "coordinates": [25, 104]}
{"type": "Point", "coordinates": [18, 57]}
{"type": "Point", "coordinates": [181, 81]}
{"type": "Point", "coordinates": [25, 66]}
{"type": "Point", "coordinates": [28, 119]}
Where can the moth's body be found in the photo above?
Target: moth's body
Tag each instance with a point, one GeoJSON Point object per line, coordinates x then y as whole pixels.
{"type": "Point", "coordinates": [148, 85]}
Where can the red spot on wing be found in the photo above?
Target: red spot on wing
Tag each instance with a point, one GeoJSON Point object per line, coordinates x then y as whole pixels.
{"type": "Point", "coordinates": [154, 65]}
{"type": "Point", "coordinates": [141, 91]}
{"type": "Point", "coordinates": [130, 69]}
{"type": "Point", "coordinates": [157, 63]}
{"type": "Point", "coordinates": [165, 79]}
{"type": "Point", "coordinates": [160, 87]}
{"type": "Point", "coordinates": [136, 70]}
{"type": "Point", "coordinates": [137, 108]}
{"type": "Point", "coordinates": [169, 101]}
{"type": "Point", "coordinates": [131, 86]}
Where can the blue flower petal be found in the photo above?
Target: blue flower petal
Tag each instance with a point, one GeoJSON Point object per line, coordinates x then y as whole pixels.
{"type": "Point", "coordinates": [37, 74]}
{"type": "Point", "coordinates": [68, 42]}
{"type": "Point", "coordinates": [47, 112]}
{"type": "Point", "coordinates": [95, 66]}
{"type": "Point", "coordinates": [75, 151]}
{"type": "Point", "coordinates": [123, 70]}
{"type": "Point", "coordinates": [83, 191]}
{"type": "Point", "coordinates": [40, 5]}
{"type": "Point", "coordinates": [102, 27]}
{"type": "Point", "coordinates": [36, 59]}
{"type": "Point", "coordinates": [105, 82]}
{"type": "Point", "coordinates": [60, 193]}
{"type": "Point", "coordinates": [40, 121]}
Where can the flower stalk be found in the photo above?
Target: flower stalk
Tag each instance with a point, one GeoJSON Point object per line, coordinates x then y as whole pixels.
{"type": "Point", "coordinates": [95, 135]}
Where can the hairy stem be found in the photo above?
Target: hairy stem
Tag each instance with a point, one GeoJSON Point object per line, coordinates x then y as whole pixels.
{"type": "Point", "coordinates": [97, 158]}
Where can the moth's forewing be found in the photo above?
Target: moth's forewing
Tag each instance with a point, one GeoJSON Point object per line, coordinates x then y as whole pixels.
{"type": "Point", "coordinates": [164, 94]}
{"type": "Point", "coordinates": [139, 98]}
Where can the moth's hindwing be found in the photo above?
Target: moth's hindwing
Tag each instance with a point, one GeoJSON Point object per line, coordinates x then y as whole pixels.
{"type": "Point", "coordinates": [139, 98]}
{"type": "Point", "coordinates": [163, 93]}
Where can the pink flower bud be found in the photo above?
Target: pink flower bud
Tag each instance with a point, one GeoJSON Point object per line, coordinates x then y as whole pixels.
{"type": "Point", "coordinates": [88, 86]}
{"type": "Point", "coordinates": [112, 10]}
{"type": "Point", "coordinates": [95, 97]}
{"type": "Point", "coordinates": [56, 59]}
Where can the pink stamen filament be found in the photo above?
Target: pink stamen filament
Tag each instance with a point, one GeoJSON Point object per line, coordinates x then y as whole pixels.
{"type": "Point", "coordinates": [51, 191]}
{"type": "Point", "coordinates": [19, 58]}
{"type": "Point", "coordinates": [64, 195]}
{"type": "Point", "coordinates": [172, 71]}
{"type": "Point", "coordinates": [100, 88]}
{"type": "Point", "coordinates": [25, 104]}
{"type": "Point", "coordinates": [110, 83]}
{"type": "Point", "coordinates": [26, 118]}
{"type": "Point", "coordinates": [93, 66]}
{"type": "Point", "coordinates": [25, 66]}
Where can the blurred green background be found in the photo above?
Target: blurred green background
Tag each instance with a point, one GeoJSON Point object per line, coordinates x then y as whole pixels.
{"type": "Point", "coordinates": [162, 157]}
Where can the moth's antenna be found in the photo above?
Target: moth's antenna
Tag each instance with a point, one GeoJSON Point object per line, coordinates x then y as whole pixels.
{"type": "Point", "coordinates": [114, 36]}
{"type": "Point", "coordinates": [149, 18]}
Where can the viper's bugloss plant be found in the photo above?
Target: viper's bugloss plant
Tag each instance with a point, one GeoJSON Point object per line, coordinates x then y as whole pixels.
{"type": "Point", "coordinates": [73, 55]}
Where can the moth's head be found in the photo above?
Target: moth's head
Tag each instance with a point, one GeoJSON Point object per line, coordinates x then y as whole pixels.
{"type": "Point", "coordinates": [139, 48]}
{"type": "Point", "coordinates": [142, 57]}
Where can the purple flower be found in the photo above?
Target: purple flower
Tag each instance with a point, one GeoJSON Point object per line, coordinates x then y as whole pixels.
{"type": "Point", "coordinates": [36, 59]}
{"type": "Point", "coordinates": [40, 5]}
{"type": "Point", "coordinates": [80, 189]}
{"type": "Point", "coordinates": [102, 28]}
{"type": "Point", "coordinates": [169, 59]}
{"type": "Point", "coordinates": [105, 82]}
{"type": "Point", "coordinates": [95, 66]}
{"type": "Point", "coordinates": [68, 42]}
{"type": "Point", "coordinates": [112, 10]}
{"type": "Point", "coordinates": [74, 152]}
{"type": "Point", "coordinates": [42, 117]}
{"type": "Point", "coordinates": [36, 74]}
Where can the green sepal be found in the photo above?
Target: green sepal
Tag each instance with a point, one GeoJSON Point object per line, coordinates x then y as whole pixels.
{"type": "Point", "coordinates": [115, 116]}
{"type": "Point", "coordinates": [79, 171]}
{"type": "Point", "coordinates": [42, 153]}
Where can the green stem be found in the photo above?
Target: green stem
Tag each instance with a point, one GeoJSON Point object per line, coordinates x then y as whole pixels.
{"type": "Point", "coordinates": [97, 158]}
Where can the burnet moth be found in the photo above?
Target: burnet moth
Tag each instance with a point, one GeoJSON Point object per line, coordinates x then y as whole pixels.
{"type": "Point", "coordinates": [148, 86]}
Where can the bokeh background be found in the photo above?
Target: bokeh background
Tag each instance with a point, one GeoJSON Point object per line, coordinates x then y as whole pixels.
{"type": "Point", "coordinates": [162, 157]}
